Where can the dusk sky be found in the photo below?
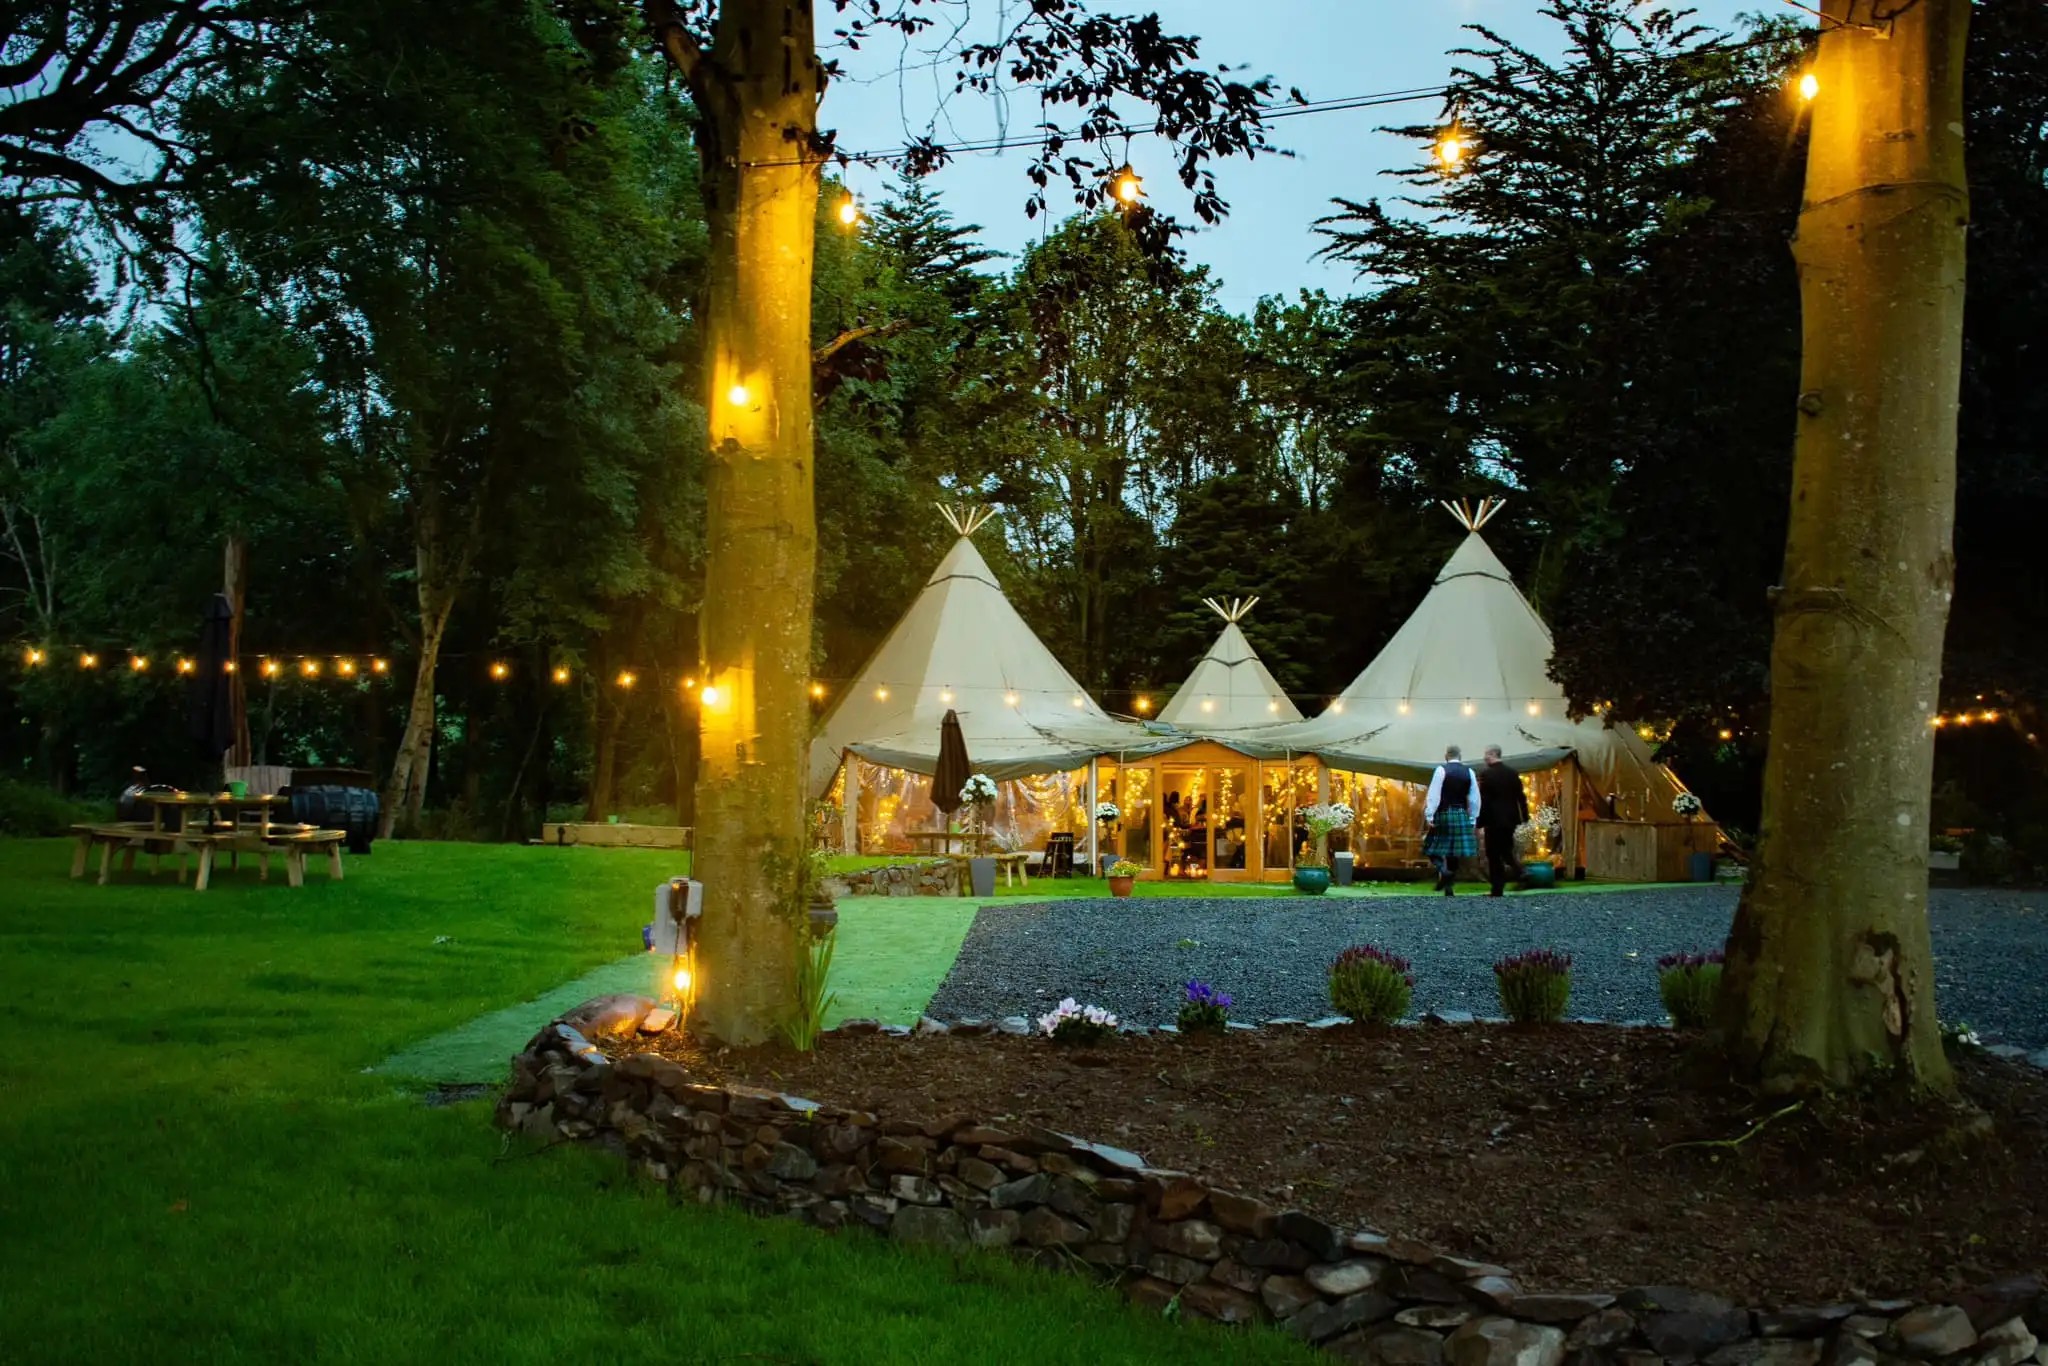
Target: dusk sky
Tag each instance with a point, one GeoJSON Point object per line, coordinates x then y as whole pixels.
{"type": "Point", "coordinates": [1328, 48]}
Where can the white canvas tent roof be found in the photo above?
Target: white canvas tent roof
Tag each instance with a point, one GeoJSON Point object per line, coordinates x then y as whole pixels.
{"type": "Point", "coordinates": [962, 647]}
{"type": "Point", "coordinates": [1230, 688]}
{"type": "Point", "coordinates": [1471, 667]}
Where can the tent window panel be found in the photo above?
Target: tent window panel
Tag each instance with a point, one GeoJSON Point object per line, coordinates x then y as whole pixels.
{"type": "Point", "coordinates": [1233, 798]}
{"type": "Point", "coordinates": [1028, 810]}
{"type": "Point", "coordinates": [894, 802]}
{"type": "Point", "coordinates": [1387, 829]}
{"type": "Point", "coordinates": [1131, 790]}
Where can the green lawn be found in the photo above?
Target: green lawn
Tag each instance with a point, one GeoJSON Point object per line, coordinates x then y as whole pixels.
{"type": "Point", "coordinates": [197, 1163]}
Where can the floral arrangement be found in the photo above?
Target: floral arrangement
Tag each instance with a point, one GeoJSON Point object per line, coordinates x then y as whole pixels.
{"type": "Point", "coordinates": [1371, 985]}
{"type": "Point", "coordinates": [1960, 1035]}
{"type": "Point", "coordinates": [1123, 867]}
{"type": "Point", "coordinates": [1072, 1022]}
{"type": "Point", "coordinates": [1108, 812]}
{"type": "Point", "coordinates": [1321, 819]}
{"type": "Point", "coordinates": [978, 790]}
{"type": "Point", "coordinates": [1689, 985]}
{"type": "Point", "coordinates": [1206, 1010]}
{"type": "Point", "coordinates": [1686, 805]}
{"type": "Point", "coordinates": [1534, 985]}
{"type": "Point", "coordinates": [1540, 829]}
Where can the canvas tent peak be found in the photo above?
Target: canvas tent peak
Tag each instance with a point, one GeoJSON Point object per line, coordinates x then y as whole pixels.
{"type": "Point", "coordinates": [1471, 517]}
{"type": "Point", "coordinates": [1235, 612]}
{"type": "Point", "coordinates": [965, 518]}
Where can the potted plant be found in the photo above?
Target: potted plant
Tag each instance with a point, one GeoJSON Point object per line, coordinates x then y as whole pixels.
{"type": "Point", "coordinates": [1534, 839]}
{"type": "Point", "coordinates": [1123, 874]}
{"type": "Point", "coordinates": [1312, 873]}
{"type": "Point", "coordinates": [1702, 861]}
{"type": "Point", "coordinates": [1107, 814]}
{"type": "Point", "coordinates": [978, 794]}
{"type": "Point", "coordinates": [1944, 853]}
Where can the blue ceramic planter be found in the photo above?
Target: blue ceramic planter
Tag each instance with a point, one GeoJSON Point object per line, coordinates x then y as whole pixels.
{"type": "Point", "coordinates": [1539, 875]}
{"type": "Point", "coordinates": [1311, 881]}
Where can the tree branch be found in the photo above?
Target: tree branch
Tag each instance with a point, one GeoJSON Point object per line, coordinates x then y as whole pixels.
{"type": "Point", "coordinates": [854, 334]}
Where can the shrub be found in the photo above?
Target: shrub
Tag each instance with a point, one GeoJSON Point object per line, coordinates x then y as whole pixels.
{"type": "Point", "coordinates": [1072, 1022]}
{"type": "Point", "coordinates": [28, 809]}
{"type": "Point", "coordinates": [1370, 985]}
{"type": "Point", "coordinates": [1534, 985]}
{"type": "Point", "coordinates": [813, 1001]}
{"type": "Point", "coordinates": [1206, 1010]}
{"type": "Point", "coordinates": [1123, 867]}
{"type": "Point", "coordinates": [1960, 1035]}
{"type": "Point", "coordinates": [1690, 984]}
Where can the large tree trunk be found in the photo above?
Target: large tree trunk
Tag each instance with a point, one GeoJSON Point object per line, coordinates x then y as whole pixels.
{"type": "Point", "coordinates": [235, 587]}
{"type": "Point", "coordinates": [406, 791]}
{"type": "Point", "coordinates": [758, 90]}
{"type": "Point", "coordinates": [1830, 979]}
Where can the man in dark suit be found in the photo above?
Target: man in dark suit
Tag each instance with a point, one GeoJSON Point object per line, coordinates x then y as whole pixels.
{"type": "Point", "coordinates": [1502, 806]}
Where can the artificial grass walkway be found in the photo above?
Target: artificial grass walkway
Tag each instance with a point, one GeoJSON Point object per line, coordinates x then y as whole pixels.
{"type": "Point", "coordinates": [195, 1164]}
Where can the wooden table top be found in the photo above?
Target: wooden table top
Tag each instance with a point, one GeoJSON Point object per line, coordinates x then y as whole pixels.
{"type": "Point", "coordinates": [208, 799]}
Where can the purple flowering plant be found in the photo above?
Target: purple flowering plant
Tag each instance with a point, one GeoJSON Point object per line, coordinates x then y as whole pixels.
{"type": "Point", "coordinates": [1689, 984]}
{"type": "Point", "coordinates": [1535, 985]}
{"type": "Point", "coordinates": [1371, 985]}
{"type": "Point", "coordinates": [1205, 1009]}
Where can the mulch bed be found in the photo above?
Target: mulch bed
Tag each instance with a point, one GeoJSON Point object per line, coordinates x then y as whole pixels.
{"type": "Point", "coordinates": [1549, 1151]}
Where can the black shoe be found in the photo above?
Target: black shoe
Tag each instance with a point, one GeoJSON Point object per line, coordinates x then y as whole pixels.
{"type": "Point", "coordinates": [1496, 892]}
{"type": "Point", "coordinates": [1449, 888]}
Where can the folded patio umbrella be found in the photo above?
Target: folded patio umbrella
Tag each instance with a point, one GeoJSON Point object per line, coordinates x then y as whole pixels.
{"type": "Point", "coordinates": [954, 768]}
{"type": "Point", "coordinates": [210, 699]}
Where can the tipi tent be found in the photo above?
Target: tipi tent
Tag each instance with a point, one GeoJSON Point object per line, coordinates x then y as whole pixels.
{"type": "Point", "coordinates": [1470, 667]}
{"type": "Point", "coordinates": [962, 647]}
{"type": "Point", "coordinates": [1230, 689]}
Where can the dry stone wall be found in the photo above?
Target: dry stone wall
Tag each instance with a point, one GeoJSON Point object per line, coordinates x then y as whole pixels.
{"type": "Point", "coordinates": [923, 877]}
{"type": "Point", "coordinates": [1166, 1238]}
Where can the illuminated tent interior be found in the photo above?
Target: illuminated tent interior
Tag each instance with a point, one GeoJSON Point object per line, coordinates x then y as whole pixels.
{"type": "Point", "coordinates": [962, 647]}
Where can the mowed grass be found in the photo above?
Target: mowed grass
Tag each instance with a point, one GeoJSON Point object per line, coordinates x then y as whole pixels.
{"type": "Point", "coordinates": [195, 1165]}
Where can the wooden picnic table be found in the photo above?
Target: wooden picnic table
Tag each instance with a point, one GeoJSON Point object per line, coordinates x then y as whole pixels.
{"type": "Point", "coordinates": [185, 804]}
{"type": "Point", "coordinates": [292, 842]}
{"type": "Point", "coordinates": [945, 839]}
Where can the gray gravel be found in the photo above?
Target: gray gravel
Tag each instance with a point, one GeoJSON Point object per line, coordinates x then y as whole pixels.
{"type": "Point", "coordinates": [1133, 955]}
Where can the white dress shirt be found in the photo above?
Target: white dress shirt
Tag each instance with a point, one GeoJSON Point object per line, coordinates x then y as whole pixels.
{"type": "Point", "coordinates": [1436, 795]}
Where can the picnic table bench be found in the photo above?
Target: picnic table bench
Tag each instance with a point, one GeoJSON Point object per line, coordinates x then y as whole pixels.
{"type": "Point", "coordinates": [129, 838]}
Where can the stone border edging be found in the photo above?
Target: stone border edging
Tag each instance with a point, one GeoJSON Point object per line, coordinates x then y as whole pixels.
{"type": "Point", "coordinates": [1167, 1238]}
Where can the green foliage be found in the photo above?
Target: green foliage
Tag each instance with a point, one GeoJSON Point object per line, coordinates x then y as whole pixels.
{"type": "Point", "coordinates": [1123, 867]}
{"type": "Point", "coordinates": [1370, 985]}
{"type": "Point", "coordinates": [1689, 984]}
{"type": "Point", "coordinates": [813, 1000]}
{"type": "Point", "coordinates": [31, 809]}
{"type": "Point", "coordinates": [1535, 985]}
{"type": "Point", "coordinates": [1203, 1010]}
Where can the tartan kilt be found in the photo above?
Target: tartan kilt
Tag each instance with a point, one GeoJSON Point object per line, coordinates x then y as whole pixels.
{"type": "Point", "coordinates": [1451, 835]}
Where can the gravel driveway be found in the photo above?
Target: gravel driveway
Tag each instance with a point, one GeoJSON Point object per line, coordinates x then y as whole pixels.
{"type": "Point", "coordinates": [1132, 955]}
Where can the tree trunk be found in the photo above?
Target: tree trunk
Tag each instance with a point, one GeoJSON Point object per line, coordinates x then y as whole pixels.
{"type": "Point", "coordinates": [235, 587]}
{"type": "Point", "coordinates": [407, 789]}
{"type": "Point", "coordinates": [758, 91]}
{"type": "Point", "coordinates": [602, 798]}
{"type": "Point", "coordinates": [1830, 978]}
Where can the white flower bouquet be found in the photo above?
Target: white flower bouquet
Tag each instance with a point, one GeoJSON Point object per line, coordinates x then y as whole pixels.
{"type": "Point", "coordinates": [1324, 817]}
{"type": "Point", "coordinates": [978, 790]}
{"type": "Point", "coordinates": [1686, 805]}
{"type": "Point", "coordinates": [1108, 811]}
{"type": "Point", "coordinates": [1072, 1022]}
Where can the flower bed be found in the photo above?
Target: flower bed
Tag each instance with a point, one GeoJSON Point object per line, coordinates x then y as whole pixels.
{"type": "Point", "coordinates": [943, 1140]}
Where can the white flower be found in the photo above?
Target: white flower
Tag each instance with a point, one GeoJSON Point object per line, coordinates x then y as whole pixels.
{"type": "Point", "coordinates": [1324, 817]}
{"type": "Point", "coordinates": [1070, 1009]}
{"type": "Point", "coordinates": [978, 790]}
{"type": "Point", "coordinates": [1108, 811]}
{"type": "Point", "coordinates": [1685, 804]}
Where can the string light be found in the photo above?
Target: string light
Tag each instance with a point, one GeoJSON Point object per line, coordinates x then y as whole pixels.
{"type": "Point", "coordinates": [1272, 706]}
{"type": "Point", "coordinates": [627, 678]}
{"type": "Point", "coordinates": [945, 695]}
{"type": "Point", "coordinates": [310, 667]}
{"type": "Point", "coordinates": [1208, 705]}
{"type": "Point", "coordinates": [186, 666]}
{"type": "Point", "coordinates": [228, 667]}
{"type": "Point", "coordinates": [737, 396]}
{"type": "Point", "coordinates": [709, 697]}
{"type": "Point", "coordinates": [1337, 706]}
{"type": "Point", "coordinates": [1469, 708]}
{"type": "Point", "coordinates": [1809, 86]}
{"type": "Point", "coordinates": [1727, 734]}
{"type": "Point", "coordinates": [849, 211]}
{"type": "Point", "coordinates": [1128, 187]}
{"type": "Point", "coordinates": [561, 673]}
{"type": "Point", "coordinates": [881, 694]}
{"type": "Point", "coordinates": [268, 668]}
{"type": "Point", "coordinates": [1080, 701]}
{"type": "Point", "coordinates": [1011, 699]}
{"type": "Point", "coordinates": [682, 980]}
{"type": "Point", "coordinates": [32, 657]}
{"type": "Point", "coordinates": [345, 667]}
{"type": "Point", "coordinates": [817, 691]}
{"type": "Point", "coordinates": [500, 671]}
{"type": "Point", "coordinates": [139, 663]}
{"type": "Point", "coordinates": [1144, 704]}
{"type": "Point", "coordinates": [1451, 149]}
{"type": "Point", "coordinates": [380, 666]}
{"type": "Point", "coordinates": [1402, 706]}
{"type": "Point", "coordinates": [1535, 709]}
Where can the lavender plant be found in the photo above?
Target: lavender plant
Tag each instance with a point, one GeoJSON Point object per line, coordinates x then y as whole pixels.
{"type": "Point", "coordinates": [1534, 985]}
{"type": "Point", "coordinates": [1371, 985]}
{"type": "Point", "coordinates": [1689, 985]}
{"type": "Point", "coordinates": [1205, 1011]}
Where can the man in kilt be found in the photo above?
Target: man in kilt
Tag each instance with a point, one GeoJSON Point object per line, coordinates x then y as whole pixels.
{"type": "Point", "coordinates": [1450, 813]}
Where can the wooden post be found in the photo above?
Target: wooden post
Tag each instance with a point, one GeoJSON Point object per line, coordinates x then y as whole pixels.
{"type": "Point", "coordinates": [849, 799]}
{"type": "Point", "coordinates": [1094, 826]}
{"type": "Point", "coordinates": [1569, 818]}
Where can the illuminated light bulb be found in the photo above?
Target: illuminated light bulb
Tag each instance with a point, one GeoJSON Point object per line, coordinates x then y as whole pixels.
{"type": "Point", "coordinates": [310, 667]}
{"type": "Point", "coordinates": [881, 694]}
{"type": "Point", "coordinates": [737, 396]}
{"type": "Point", "coordinates": [1144, 704]}
{"type": "Point", "coordinates": [849, 211]}
{"type": "Point", "coordinates": [1208, 705]}
{"type": "Point", "coordinates": [682, 980]}
{"type": "Point", "coordinates": [501, 671]}
{"type": "Point", "coordinates": [1128, 186]}
{"type": "Point", "coordinates": [32, 657]}
{"type": "Point", "coordinates": [1963, 718]}
{"type": "Point", "coordinates": [945, 695]}
{"type": "Point", "coordinates": [1080, 702]}
{"type": "Point", "coordinates": [1272, 706]}
{"type": "Point", "coordinates": [228, 667]}
{"type": "Point", "coordinates": [1809, 86]}
{"type": "Point", "coordinates": [380, 666]}
{"type": "Point", "coordinates": [561, 674]}
{"type": "Point", "coordinates": [709, 697]}
{"type": "Point", "coordinates": [1469, 709]}
{"type": "Point", "coordinates": [1644, 731]}
{"type": "Point", "coordinates": [1535, 709]}
{"type": "Point", "coordinates": [1938, 722]}
{"type": "Point", "coordinates": [1727, 734]}
{"type": "Point", "coordinates": [186, 666]}
{"type": "Point", "coordinates": [1337, 706]}
{"type": "Point", "coordinates": [817, 690]}
{"type": "Point", "coordinates": [88, 660]}
{"type": "Point", "coordinates": [345, 667]}
{"type": "Point", "coordinates": [269, 668]}
{"type": "Point", "coordinates": [1402, 706]}
{"type": "Point", "coordinates": [1450, 151]}
{"type": "Point", "coordinates": [139, 663]}
{"type": "Point", "coordinates": [1990, 716]}
{"type": "Point", "coordinates": [627, 678]}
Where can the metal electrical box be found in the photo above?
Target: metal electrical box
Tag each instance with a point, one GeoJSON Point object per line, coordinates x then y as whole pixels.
{"type": "Point", "coordinates": [677, 901]}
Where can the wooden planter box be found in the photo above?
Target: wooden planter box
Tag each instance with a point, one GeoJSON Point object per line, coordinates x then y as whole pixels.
{"type": "Point", "coordinates": [1643, 851]}
{"type": "Point", "coordinates": [622, 836]}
